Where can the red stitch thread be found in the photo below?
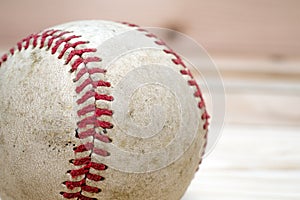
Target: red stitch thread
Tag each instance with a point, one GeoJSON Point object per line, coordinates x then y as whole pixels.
{"type": "Point", "coordinates": [85, 61]}
{"type": "Point", "coordinates": [103, 83]}
{"type": "Point", "coordinates": [178, 61]}
{"type": "Point", "coordinates": [73, 184]}
{"type": "Point", "coordinates": [160, 42]}
{"type": "Point", "coordinates": [104, 124]}
{"type": "Point", "coordinates": [4, 57]}
{"type": "Point", "coordinates": [83, 71]}
{"type": "Point", "coordinates": [99, 112]}
{"type": "Point", "coordinates": [90, 189]}
{"type": "Point", "coordinates": [101, 152]}
{"type": "Point", "coordinates": [87, 133]}
{"type": "Point", "coordinates": [81, 161]}
{"type": "Point", "coordinates": [90, 120]}
{"type": "Point", "coordinates": [70, 45]}
{"type": "Point", "coordinates": [62, 40]}
{"type": "Point", "coordinates": [84, 147]}
{"type": "Point", "coordinates": [47, 39]}
{"type": "Point", "coordinates": [51, 40]}
{"type": "Point", "coordinates": [85, 97]}
{"type": "Point", "coordinates": [94, 177]}
{"type": "Point", "coordinates": [84, 171]}
{"type": "Point", "coordinates": [12, 51]}
{"type": "Point", "coordinates": [151, 35]}
{"type": "Point", "coordinates": [86, 109]}
{"type": "Point", "coordinates": [79, 52]}
{"type": "Point", "coordinates": [28, 39]}
{"type": "Point", "coordinates": [103, 138]}
{"type": "Point", "coordinates": [27, 42]}
{"type": "Point", "coordinates": [104, 97]}
{"type": "Point", "coordinates": [35, 38]}
{"type": "Point", "coordinates": [19, 44]}
{"type": "Point", "coordinates": [45, 35]}
{"type": "Point", "coordinates": [71, 195]}
{"type": "Point", "coordinates": [129, 24]}
{"type": "Point", "coordinates": [93, 83]}
{"type": "Point", "coordinates": [78, 172]}
{"type": "Point", "coordinates": [98, 166]}
{"type": "Point", "coordinates": [84, 84]}
{"type": "Point", "coordinates": [77, 195]}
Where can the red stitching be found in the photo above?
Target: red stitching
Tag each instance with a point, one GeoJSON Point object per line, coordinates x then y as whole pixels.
{"type": "Point", "coordinates": [4, 57]}
{"type": "Point", "coordinates": [84, 71]}
{"type": "Point", "coordinates": [70, 45]}
{"type": "Point", "coordinates": [78, 52]}
{"type": "Point", "coordinates": [84, 84]}
{"type": "Point", "coordinates": [129, 24]}
{"type": "Point", "coordinates": [104, 97]}
{"type": "Point", "coordinates": [81, 161]}
{"type": "Point", "coordinates": [86, 161]}
{"type": "Point", "coordinates": [178, 61]}
{"type": "Point", "coordinates": [84, 147]}
{"type": "Point", "coordinates": [86, 109]}
{"type": "Point", "coordinates": [99, 112]}
{"type": "Point", "coordinates": [45, 35]}
{"type": "Point", "coordinates": [19, 44]}
{"type": "Point", "coordinates": [103, 138]}
{"type": "Point", "coordinates": [94, 177]}
{"type": "Point", "coordinates": [151, 35]}
{"type": "Point", "coordinates": [62, 40]}
{"type": "Point", "coordinates": [186, 72]}
{"type": "Point", "coordinates": [85, 61]}
{"type": "Point", "coordinates": [103, 83]}
{"type": "Point", "coordinates": [104, 124]}
{"type": "Point", "coordinates": [52, 40]}
{"type": "Point", "coordinates": [77, 195]}
{"type": "Point", "coordinates": [12, 51]}
{"type": "Point", "coordinates": [90, 146]}
{"type": "Point", "coordinates": [53, 37]}
{"type": "Point", "coordinates": [85, 97]}
{"type": "Point", "coordinates": [89, 120]}
{"type": "Point", "coordinates": [71, 185]}
{"type": "Point", "coordinates": [94, 84]}
{"type": "Point", "coordinates": [101, 152]}
{"type": "Point", "coordinates": [160, 42]}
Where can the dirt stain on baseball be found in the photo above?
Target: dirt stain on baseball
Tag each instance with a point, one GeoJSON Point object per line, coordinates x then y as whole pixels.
{"type": "Point", "coordinates": [2, 141]}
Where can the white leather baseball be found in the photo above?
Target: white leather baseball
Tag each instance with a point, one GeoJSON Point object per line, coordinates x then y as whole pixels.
{"type": "Point", "coordinates": [94, 110]}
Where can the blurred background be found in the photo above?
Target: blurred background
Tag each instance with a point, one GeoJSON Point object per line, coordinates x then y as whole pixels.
{"type": "Point", "coordinates": [256, 46]}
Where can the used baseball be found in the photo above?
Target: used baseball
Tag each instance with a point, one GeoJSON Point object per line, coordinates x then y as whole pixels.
{"type": "Point", "coordinates": [93, 110]}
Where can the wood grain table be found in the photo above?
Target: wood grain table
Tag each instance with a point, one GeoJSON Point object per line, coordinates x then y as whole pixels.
{"type": "Point", "coordinates": [250, 163]}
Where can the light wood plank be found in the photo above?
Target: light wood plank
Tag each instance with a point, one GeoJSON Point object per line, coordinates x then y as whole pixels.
{"type": "Point", "coordinates": [250, 163]}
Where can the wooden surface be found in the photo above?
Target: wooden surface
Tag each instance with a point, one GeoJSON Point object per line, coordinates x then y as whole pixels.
{"type": "Point", "coordinates": [234, 27]}
{"type": "Point", "coordinates": [250, 163]}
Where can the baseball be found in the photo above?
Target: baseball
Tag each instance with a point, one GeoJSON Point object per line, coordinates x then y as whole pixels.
{"type": "Point", "coordinates": [95, 110]}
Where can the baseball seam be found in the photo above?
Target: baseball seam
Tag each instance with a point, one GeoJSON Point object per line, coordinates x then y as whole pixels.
{"type": "Point", "coordinates": [177, 60]}
{"type": "Point", "coordinates": [185, 71]}
{"type": "Point", "coordinates": [59, 42]}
